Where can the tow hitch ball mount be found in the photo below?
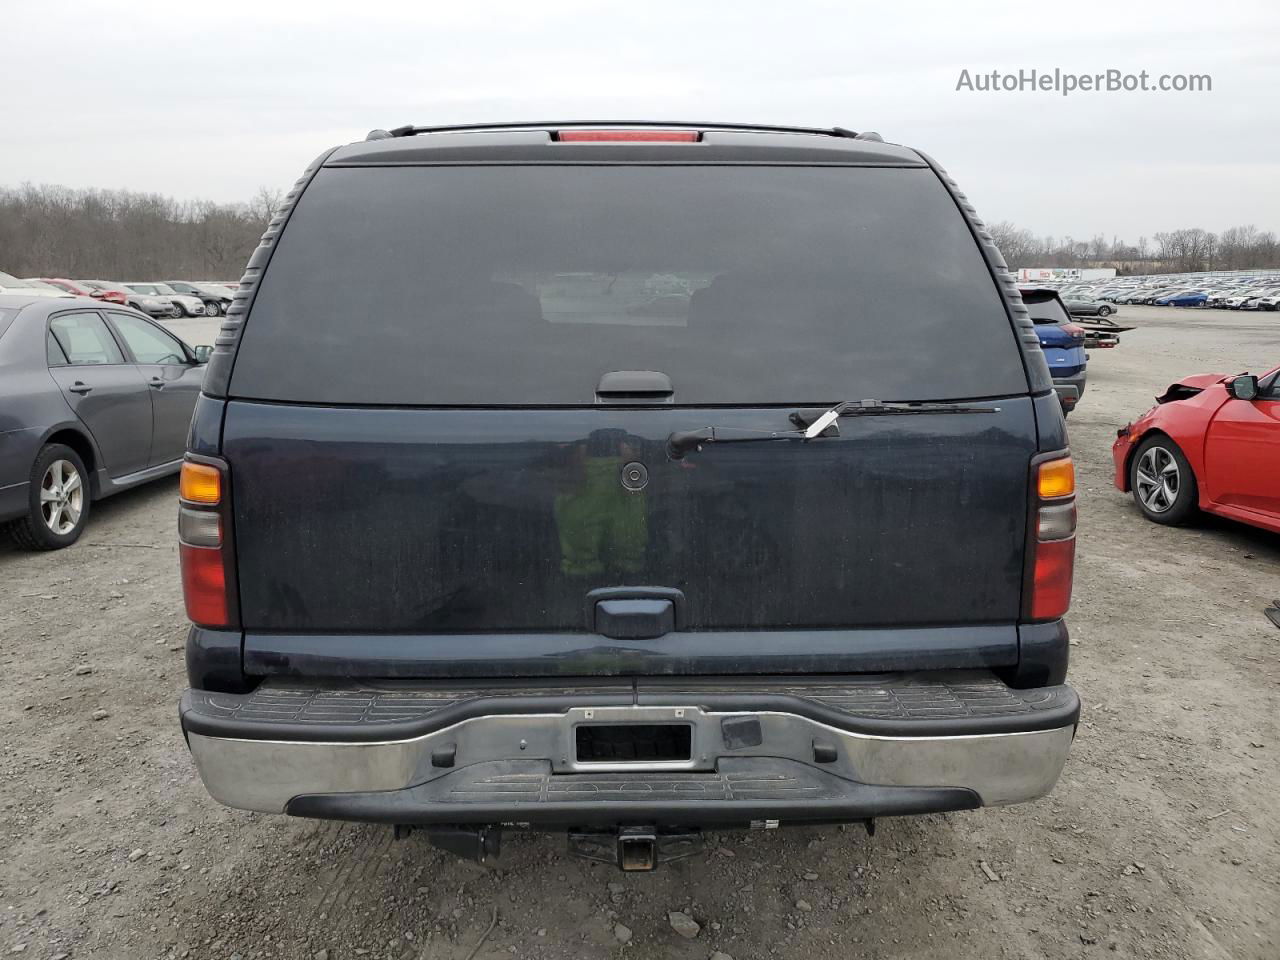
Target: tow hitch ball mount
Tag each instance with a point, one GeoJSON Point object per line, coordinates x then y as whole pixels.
{"type": "Point", "coordinates": [635, 849]}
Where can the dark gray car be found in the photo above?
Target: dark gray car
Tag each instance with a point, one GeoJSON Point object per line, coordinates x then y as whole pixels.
{"type": "Point", "coordinates": [94, 399]}
{"type": "Point", "coordinates": [215, 296]}
{"type": "Point", "coordinates": [1079, 306]}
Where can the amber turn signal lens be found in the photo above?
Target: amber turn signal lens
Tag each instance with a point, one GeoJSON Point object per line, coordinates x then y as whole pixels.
{"type": "Point", "coordinates": [1056, 478]}
{"type": "Point", "coordinates": [202, 483]}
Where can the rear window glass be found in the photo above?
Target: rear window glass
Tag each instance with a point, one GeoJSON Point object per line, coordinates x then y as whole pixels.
{"type": "Point", "coordinates": [1045, 308]}
{"type": "Point", "coordinates": [523, 285]}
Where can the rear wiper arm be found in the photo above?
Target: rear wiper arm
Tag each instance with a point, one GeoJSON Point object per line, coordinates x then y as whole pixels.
{"type": "Point", "coordinates": [810, 424]}
{"type": "Point", "coordinates": [808, 420]}
{"type": "Point", "coordinates": [684, 441]}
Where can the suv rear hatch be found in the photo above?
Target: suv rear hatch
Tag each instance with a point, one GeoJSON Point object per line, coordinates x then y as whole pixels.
{"type": "Point", "coordinates": [433, 472]}
{"type": "Point", "coordinates": [1061, 338]}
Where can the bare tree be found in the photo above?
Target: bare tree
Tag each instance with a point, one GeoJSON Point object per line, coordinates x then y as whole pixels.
{"type": "Point", "coordinates": [1019, 247]}
{"type": "Point", "coordinates": [1186, 250]}
{"type": "Point", "coordinates": [52, 231]}
{"type": "Point", "coordinates": [264, 205]}
{"type": "Point", "coordinates": [1240, 248]}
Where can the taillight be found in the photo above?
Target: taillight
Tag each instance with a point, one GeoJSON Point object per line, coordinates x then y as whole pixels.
{"type": "Point", "coordinates": [204, 585]}
{"type": "Point", "coordinates": [1053, 540]}
{"type": "Point", "coordinates": [627, 136]}
{"type": "Point", "coordinates": [204, 549]}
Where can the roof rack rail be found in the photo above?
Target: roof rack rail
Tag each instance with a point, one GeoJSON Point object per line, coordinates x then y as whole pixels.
{"type": "Point", "coordinates": [411, 130]}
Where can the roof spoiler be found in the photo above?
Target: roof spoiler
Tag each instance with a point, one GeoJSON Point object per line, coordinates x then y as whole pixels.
{"type": "Point", "coordinates": [410, 130]}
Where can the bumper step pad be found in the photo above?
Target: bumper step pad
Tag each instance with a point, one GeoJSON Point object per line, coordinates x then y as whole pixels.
{"type": "Point", "coordinates": [743, 789]}
{"type": "Point", "coordinates": [963, 702]}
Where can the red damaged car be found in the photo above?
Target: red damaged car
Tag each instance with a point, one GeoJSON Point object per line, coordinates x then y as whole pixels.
{"type": "Point", "coordinates": [84, 290]}
{"type": "Point", "coordinates": [1211, 442]}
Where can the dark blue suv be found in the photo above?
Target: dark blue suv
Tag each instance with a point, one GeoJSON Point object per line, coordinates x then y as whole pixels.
{"type": "Point", "coordinates": [626, 480]}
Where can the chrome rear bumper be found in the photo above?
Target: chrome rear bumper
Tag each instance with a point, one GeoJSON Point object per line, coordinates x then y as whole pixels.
{"type": "Point", "coordinates": [514, 764]}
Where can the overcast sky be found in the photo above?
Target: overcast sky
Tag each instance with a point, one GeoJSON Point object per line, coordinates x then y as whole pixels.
{"type": "Point", "coordinates": [211, 100]}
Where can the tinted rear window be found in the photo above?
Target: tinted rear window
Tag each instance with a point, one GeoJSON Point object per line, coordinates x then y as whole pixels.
{"type": "Point", "coordinates": [1045, 308]}
{"type": "Point", "coordinates": [523, 285]}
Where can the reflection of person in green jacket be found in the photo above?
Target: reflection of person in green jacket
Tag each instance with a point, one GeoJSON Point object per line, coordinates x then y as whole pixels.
{"type": "Point", "coordinates": [603, 526]}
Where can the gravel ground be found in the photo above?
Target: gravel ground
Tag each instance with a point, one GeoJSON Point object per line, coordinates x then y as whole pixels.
{"type": "Point", "coordinates": [1160, 840]}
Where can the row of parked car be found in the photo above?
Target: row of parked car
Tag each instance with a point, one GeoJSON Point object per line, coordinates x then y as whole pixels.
{"type": "Point", "coordinates": [1230, 292]}
{"type": "Point", "coordinates": [1230, 298]}
{"type": "Point", "coordinates": [166, 299]}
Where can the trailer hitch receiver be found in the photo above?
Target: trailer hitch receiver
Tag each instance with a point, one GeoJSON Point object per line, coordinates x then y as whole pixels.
{"type": "Point", "coordinates": [636, 849]}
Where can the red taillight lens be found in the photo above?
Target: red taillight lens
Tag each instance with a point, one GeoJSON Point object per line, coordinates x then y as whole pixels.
{"type": "Point", "coordinates": [204, 585]}
{"type": "Point", "coordinates": [627, 136]}
{"type": "Point", "coordinates": [1051, 589]}
{"type": "Point", "coordinates": [1072, 329]}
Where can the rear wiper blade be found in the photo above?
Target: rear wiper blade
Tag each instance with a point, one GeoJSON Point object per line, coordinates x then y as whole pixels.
{"type": "Point", "coordinates": [809, 420]}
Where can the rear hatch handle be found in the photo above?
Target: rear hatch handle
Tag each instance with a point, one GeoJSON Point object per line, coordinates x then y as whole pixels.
{"type": "Point", "coordinates": [635, 386]}
{"type": "Point", "coordinates": [634, 613]}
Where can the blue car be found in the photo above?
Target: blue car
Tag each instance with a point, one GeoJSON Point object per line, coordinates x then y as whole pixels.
{"type": "Point", "coordinates": [1187, 298]}
{"type": "Point", "coordinates": [1062, 342]}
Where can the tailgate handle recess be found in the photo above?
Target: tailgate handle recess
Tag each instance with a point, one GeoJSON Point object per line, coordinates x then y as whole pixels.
{"type": "Point", "coordinates": [635, 619]}
{"type": "Point", "coordinates": [634, 613]}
